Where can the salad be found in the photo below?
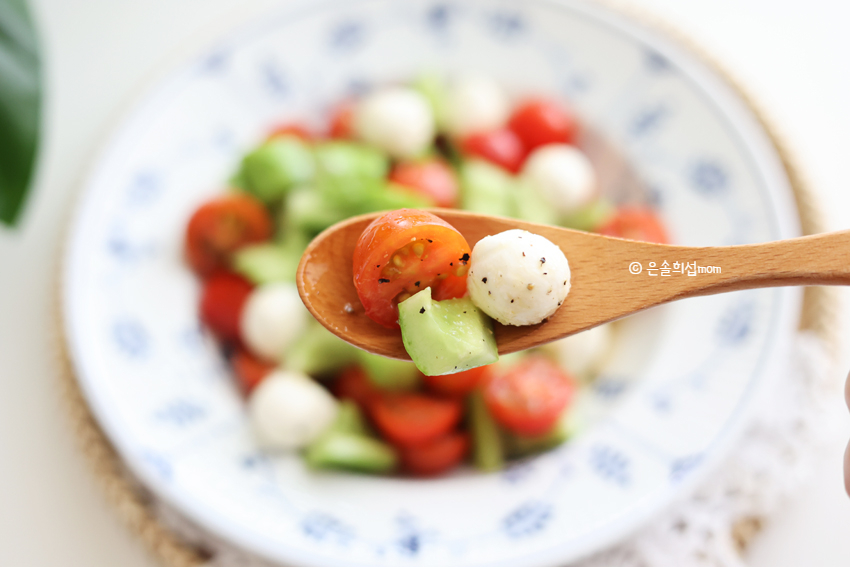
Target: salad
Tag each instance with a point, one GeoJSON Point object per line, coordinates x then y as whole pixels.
{"type": "Point", "coordinates": [432, 143]}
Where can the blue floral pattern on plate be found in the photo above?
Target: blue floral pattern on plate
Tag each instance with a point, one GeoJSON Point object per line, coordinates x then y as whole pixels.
{"type": "Point", "coordinates": [161, 389]}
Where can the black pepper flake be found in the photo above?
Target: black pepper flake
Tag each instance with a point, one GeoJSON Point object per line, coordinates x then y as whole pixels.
{"type": "Point", "coordinates": [383, 280]}
{"type": "Point", "coordinates": [451, 263]}
{"type": "Point", "coordinates": [559, 303]}
{"type": "Point", "coordinates": [464, 258]}
{"type": "Point", "coordinates": [464, 311]}
{"type": "Point", "coordinates": [523, 254]}
{"type": "Point", "coordinates": [512, 300]}
{"type": "Point", "coordinates": [378, 266]}
{"type": "Point", "coordinates": [484, 280]}
{"type": "Point", "coordinates": [429, 240]}
{"type": "Point", "coordinates": [542, 260]}
{"type": "Point", "coordinates": [546, 320]}
{"type": "Point", "coordinates": [489, 293]}
{"type": "Point", "coordinates": [422, 309]}
{"type": "Point", "coordinates": [565, 282]}
{"type": "Point", "coordinates": [545, 273]}
{"type": "Point", "coordinates": [417, 283]}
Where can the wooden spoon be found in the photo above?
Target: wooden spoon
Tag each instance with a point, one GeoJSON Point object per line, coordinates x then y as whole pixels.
{"type": "Point", "coordinates": [604, 287]}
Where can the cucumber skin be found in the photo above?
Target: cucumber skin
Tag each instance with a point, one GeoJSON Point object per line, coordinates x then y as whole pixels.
{"type": "Point", "coordinates": [265, 263]}
{"type": "Point", "coordinates": [318, 352]}
{"type": "Point", "coordinates": [351, 452]}
{"type": "Point", "coordinates": [488, 454]}
{"type": "Point", "coordinates": [271, 170]}
{"type": "Point", "coordinates": [388, 373]}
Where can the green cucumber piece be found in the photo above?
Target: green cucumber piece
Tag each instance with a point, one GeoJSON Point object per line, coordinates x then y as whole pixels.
{"type": "Point", "coordinates": [487, 451]}
{"type": "Point", "coordinates": [530, 206]}
{"type": "Point", "coordinates": [318, 352]}
{"type": "Point", "coordinates": [266, 263]}
{"type": "Point", "coordinates": [340, 450]}
{"type": "Point", "coordinates": [308, 211]}
{"type": "Point", "coordinates": [349, 419]}
{"type": "Point", "coordinates": [486, 188]}
{"type": "Point", "coordinates": [590, 216]}
{"type": "Point", "coordinates": [388, 373]}
{"type": "Point", "coordinates": [277, 166]}
{"type": "Point", "coordinates": [350, 159]}
{"type": "Point", "coordinates": [444, 337]}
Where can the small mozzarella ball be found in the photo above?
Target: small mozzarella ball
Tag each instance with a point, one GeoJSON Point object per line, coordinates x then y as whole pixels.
{"type": "Point", "coordinates": [272, 319]}
{"type": "Point", "coordinates": [397, 120]}
{"type": "Point", "coordinates": [288, 410]}
{"type": "Point", "coordinates": [518, 278]}
{"type": "Point", "coordinates": [475, 104]}
{"type": "Point", "coordinates": [562, 175]}
{"type": "Point", "coordinates": [583, 353]}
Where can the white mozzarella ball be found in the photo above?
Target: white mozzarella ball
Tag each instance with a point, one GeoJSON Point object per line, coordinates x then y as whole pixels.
{"type": "Point", "coordinates": [288, 410]}
{"type": "Point", "coordinates": [475, 104]}
{"type": "Point", "coordinates": [272, 319]}
{"type": "Point", "coordinates": [518, 278]}
{"type": "Point", "coordinates": [562, 175]}
{"type": "Point", "coordinates": [397, 120]}
{"type": "Point", "coordinates": [583, 353]}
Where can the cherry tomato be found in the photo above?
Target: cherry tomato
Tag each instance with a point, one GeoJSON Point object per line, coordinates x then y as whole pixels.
{"type": "Point", "coordinates": [404, 252]}
{"type": "Point", "coordinates": [412, 419]}
{"type": "Point", "coordinates": [538, 122]}
{"type": "Point", "coordinates": [433, 178]}
{"type": "Point", "coordinates": [635, 223]}
{"type": "Point", "coordinates": [529, 398]}
{"type": "Point", "coordinates": [457, 384]}
{"type": "Point", "coordinates": [249, 369]}
{"type": "Point", "coordinates": [436, 456]}
{"type": "Point", "coordinates": [353, 384]}
{"type": "Point", "coordinates": [222, 301]}
{"type": "Point", "coordinates": [501, 147]}
{"type": "Point", "coordinates": [291, 129]}
{"type": "Point", "coordinates": [220, 227]}
{"type": "Point", "coordinates": [342, 122]}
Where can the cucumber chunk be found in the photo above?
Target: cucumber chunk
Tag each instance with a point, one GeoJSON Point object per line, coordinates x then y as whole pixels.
{"type": "Point", "coordinates": [388, 373]}
{"type": "Point", "coordinates": [351, 452]}
{"type": "Point", "coordinates": [266, 263]}
{"type": "Point", "coordinates": [308, 211]}
{"type": "Point", "coordinates": [444, 337]}
{"type": "Point", "coordinates": [349, 419]}
{"type": "Point", "coordinates": [486, 188]}
{"type": "Point", "coordinates": [318, 352]}
{"type": "Point", "coordinates": [530, 206]}
{"type": "Point", "coordinates": [277, 166]}
{"type": "Point", "coordinates": [350, 159]}
{"type": "Point", "coordinates": [590, 216]}
{"type": "Point", "coordinates": [487, 451]}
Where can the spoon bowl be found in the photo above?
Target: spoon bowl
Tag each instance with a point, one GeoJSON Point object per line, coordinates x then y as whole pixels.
{"type": "Point", "coordinates": [610, 277]}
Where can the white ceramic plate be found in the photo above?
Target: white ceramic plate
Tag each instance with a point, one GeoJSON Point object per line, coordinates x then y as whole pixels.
{"type": "Point", "coordinates": [678, 388]}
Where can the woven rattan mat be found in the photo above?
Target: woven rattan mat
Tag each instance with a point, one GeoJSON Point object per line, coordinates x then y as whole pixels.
{"type": "Point", "coordinates": [133, 504]}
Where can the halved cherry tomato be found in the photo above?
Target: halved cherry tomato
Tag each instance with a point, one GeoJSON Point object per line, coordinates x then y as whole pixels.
{"type": "Point", "coordinates": [457, 384]}
{"type": "Point", "coordinates": [433, 178]}
{"type": "Point", "coordinates": [436, 456]}
{"type": "Point", "coordinates": [528, 398]}
{"type": "Point", "coordinates": [221, 226]}
{"type": "Point", "coordinates": [635, 223]}
{"type": "Point", "coordinates": [353, 384]}
{"type": "Point", "coordinates": [222, 301]}
{"type": "Point", "coordinates": [249, 369]}
{"type": "Point", "coordinates": [291, 129]}
{"type": "Point", "coordinates": [403, 252]}
{"type": "Point", "coordinates": [538, 122]}
{"type": "Point", "coordinates": [342, 122]}
{"type": "Point", "coordinates": [501, 147]}
{"type": "Point", "coordinates": [413, 419]}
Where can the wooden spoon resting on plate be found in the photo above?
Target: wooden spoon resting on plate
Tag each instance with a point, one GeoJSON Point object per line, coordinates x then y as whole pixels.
{"type": "Point", "coordinates": [610, 277]}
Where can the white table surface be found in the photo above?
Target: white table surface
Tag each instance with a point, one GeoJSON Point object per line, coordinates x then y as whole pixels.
{"type": "Point", "coordinates": [791, 54]}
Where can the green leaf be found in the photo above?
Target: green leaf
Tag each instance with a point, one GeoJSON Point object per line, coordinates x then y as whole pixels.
{"type": "Point", "coordinates": [20, 106]}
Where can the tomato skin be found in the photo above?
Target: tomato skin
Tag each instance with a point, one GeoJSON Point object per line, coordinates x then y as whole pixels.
{"type": "Point", "coordinates": [442, 265]}
{"type": "Point", "coordinates": [220, 227]}
{"type": "Point", "coordinates": [529, 398]}
{"type": "Point", "coordinates": [291, 129]}
{"type": "Point", "coordinates": [222, 301]}
{"type": "Point", "coordinates": [249, 370]}
{"type": "Point", "coordinates": [501, 147]}
{"type": "Point", "coordinates": [538, 122]}
{"type": "Point", "coordinates": [435, 457]}
{"type": "Point", "coordinates": [458, 384]}
{"type": "Point", "coordinates": [342, 122]}
{"type": "Point", "coordinates": [353, 384]}
{"type": "Point", "coordinates": [635, 223]}
{"type": "Point", "coordinates": [433, 178]}
{"type": "Point", "coordinates": [413, 419]}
